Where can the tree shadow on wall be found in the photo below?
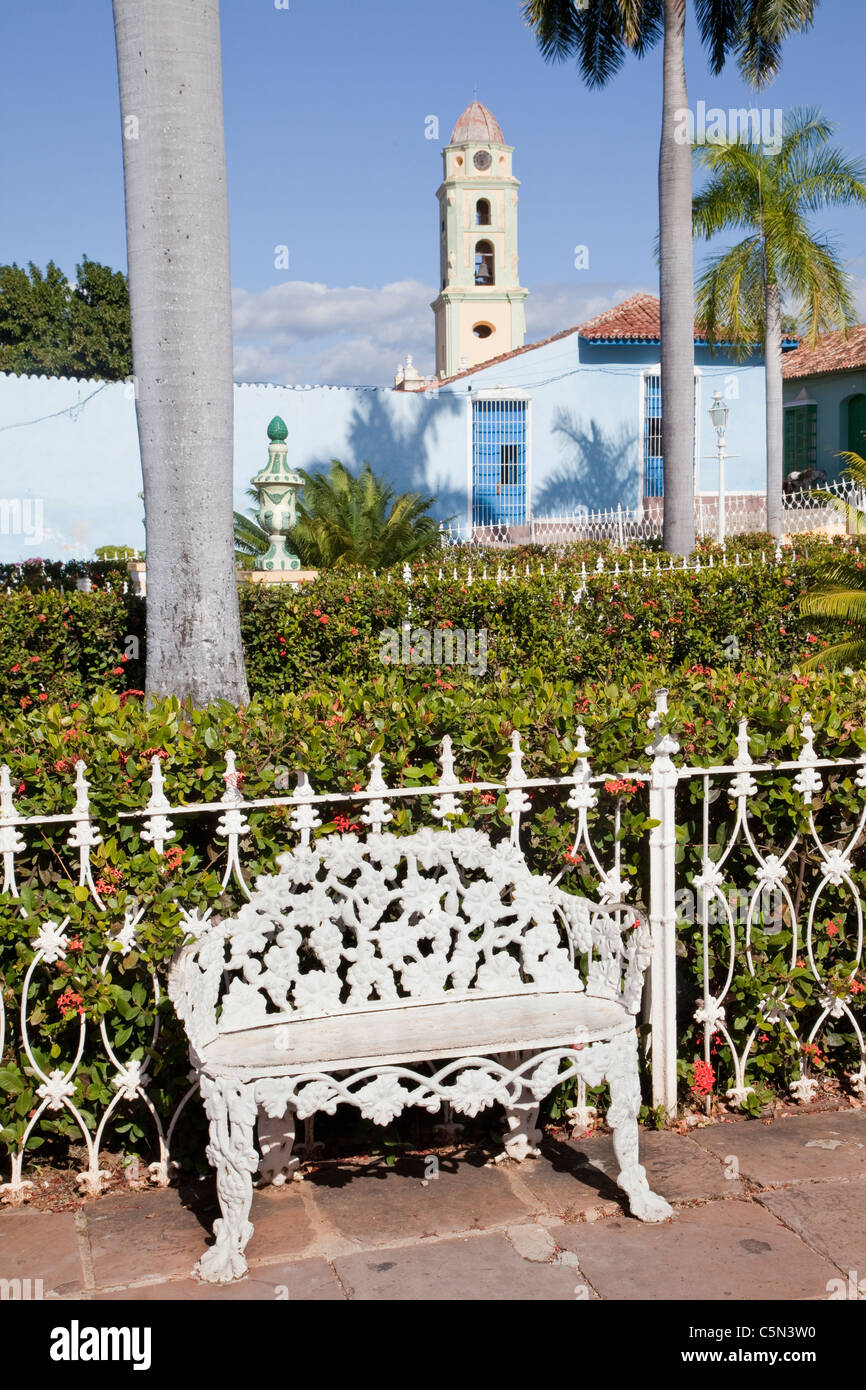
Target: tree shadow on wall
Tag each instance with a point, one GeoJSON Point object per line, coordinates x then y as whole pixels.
{"type": "Point", "coordinates": [599, 469]}
{"type": "Point", "coordinates": [396, 433]}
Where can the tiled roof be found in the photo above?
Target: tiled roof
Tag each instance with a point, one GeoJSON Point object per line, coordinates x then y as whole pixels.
{"type": "Point", "coordinates": [621, 323]}
{"type": "Point", "coordinates": [832, 353]}
{"type": "Point", "coordinates": [637, 319]}
{"type": "Point", "coordinates": [477, 123]}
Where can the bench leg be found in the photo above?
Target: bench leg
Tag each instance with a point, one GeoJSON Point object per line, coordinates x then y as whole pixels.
{"type": "Point", "coordinates": [624, 1081]}
{"type": "Point", "coordinates": [276, 1140]}
{"type": "Point", "coordinates": [522, 1135]}
{"type": "Point", "coordinates": [231, 1112]}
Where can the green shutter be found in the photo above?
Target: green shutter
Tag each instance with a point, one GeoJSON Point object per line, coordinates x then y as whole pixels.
{"type": "Point", "coordinates": [801, 438]}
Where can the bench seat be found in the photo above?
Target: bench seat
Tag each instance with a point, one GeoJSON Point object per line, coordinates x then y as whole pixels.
{"type": "Point", "coordinates": [480, 1025]}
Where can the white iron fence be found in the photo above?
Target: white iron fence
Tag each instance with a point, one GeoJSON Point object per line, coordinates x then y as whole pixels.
{"type": "Point", "coordinates": [745, 513]}
{"type": "Point", "coordinates": [707, 844]}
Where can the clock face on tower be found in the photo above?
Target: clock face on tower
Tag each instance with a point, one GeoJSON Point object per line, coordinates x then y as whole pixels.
{"type": "Point", "coordinates": [482, 159]}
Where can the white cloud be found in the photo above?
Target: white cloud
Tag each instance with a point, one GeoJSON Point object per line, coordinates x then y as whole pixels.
{"type": "Point", "coordinates": [552, 307]}
{"type": "Point", "coordinates": [857, 271]}
{"type": "Point", "coordinates": [299, 333]}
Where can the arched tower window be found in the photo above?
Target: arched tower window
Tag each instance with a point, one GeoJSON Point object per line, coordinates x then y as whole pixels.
{"type": "Point", "coordinates": [482, 213]}
{"type": "Point", "coordinates": [484, 263]}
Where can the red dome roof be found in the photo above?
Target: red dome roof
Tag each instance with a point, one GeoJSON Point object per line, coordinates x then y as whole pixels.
{"type": "Point", "coordinates": [477, 123]}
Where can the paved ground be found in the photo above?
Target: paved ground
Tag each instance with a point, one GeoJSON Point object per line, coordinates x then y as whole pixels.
{"type": "Point", "coordinates": [765, 1211]}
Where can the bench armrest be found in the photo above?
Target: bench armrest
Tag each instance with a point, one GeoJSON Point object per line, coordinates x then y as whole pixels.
{"type": "Point", "coordinates": [615, 938]}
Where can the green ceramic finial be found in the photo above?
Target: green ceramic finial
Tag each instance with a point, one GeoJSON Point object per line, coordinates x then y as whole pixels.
{"type": "Point", "coordinates": [278, 430]}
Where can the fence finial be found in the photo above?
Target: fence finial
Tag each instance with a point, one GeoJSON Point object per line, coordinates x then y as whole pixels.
{"type": "Point", "coordinates": [446, 804]}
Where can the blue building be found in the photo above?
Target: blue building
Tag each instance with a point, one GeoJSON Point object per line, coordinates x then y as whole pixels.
{"type": "Point", "coordinates": [506, 432]}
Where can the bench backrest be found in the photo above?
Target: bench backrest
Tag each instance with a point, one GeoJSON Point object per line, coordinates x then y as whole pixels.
{"type": "Point", "coordinates": [355, 923]}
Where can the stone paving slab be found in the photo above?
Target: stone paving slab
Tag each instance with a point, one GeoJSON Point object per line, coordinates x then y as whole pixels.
{"type": "Point", "coordinates": [375, 1205]}
{"type": "Point", "coordinates": [502, 1231]}
{"type": "Point", "coordinates": [308, 1280]}
{"type": "Point", "coordinates": [724, 1250]}
{"type": "Point", "coordinates": [144, 1235]}
{"type": "Point", "coordinates": [469, 1269]}
{"type": "Point", "coordinates": [677, 1167]}
{"type": "Point", "coordinates": [41, 1245]}
{"type": "Point", "coordinates": [830, 1217]}
{"type": "Point", "coordinates": [802, 1148]}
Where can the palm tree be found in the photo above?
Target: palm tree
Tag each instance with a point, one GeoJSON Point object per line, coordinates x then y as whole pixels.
{"type": "Point", "coordinates": [168, 61]}
{"type": "Point", "coordinates": [599, 35]}
{"type": "Point", "coordinates": [840, 594]}
{"type": "Point", "coordinates": [344, 519]}
{"type": "Point", "coordinates": [740, 292]}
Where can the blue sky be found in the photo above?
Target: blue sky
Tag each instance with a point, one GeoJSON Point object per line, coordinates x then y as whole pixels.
{"type": "Point", "coordinates": [325, 121]}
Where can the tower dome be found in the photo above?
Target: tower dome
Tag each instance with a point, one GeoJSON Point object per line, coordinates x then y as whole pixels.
{"type": "Point", "coordinates": [477, 123]}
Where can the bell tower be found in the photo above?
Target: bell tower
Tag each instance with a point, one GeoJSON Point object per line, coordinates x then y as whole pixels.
{"type": "Point", "coordinates": [479, 309]}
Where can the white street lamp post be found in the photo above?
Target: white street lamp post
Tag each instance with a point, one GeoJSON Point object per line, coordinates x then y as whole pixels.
{"type": "Point", "coordinates": [719, 411]}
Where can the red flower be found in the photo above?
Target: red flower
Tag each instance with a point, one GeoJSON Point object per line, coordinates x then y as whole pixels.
{"type": "Point", "coordinates": [620, 786]}
{"type": "Point", "coordinates": [704, 1078]}
{"type": "Point", "coordinates": [43, 696]}
{"type": "Point", "coordinates": [69, 1001]}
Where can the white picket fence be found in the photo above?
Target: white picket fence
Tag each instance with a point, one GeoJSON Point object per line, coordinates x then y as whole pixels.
{"type": "Point", "coordinates": [816, 859]}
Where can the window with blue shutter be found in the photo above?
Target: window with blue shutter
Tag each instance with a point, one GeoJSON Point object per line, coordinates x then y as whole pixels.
{"type": "Point", "coordinates": [498, 463]}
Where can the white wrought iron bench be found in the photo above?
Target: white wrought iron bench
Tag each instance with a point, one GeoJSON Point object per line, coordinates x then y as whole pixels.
{"type": "Point", "coordinates": [384, 971]}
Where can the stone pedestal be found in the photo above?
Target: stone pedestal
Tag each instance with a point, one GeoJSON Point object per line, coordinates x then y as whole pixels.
{"type": "Point", "coordinates": [138, 576]}
{"type": "Point", "coordinates": [277, 576]}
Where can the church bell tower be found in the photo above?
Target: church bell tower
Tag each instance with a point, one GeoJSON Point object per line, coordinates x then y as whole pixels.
{"type": "Point", "coordinates": [479, 309]}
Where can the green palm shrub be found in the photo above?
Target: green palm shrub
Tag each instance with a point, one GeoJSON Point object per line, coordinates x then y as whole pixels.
{"type": "Point", "coordinates": [348, 519]}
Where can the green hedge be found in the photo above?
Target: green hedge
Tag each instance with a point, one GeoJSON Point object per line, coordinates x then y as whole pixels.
{"type": "Point", "coordinates": [331, 732]}
{"type": "Point", "coordinates": [68, 646]}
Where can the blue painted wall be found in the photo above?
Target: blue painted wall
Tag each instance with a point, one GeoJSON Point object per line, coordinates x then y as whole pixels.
{"type": "Point", "coordinates": [70, 448]}
{"type": "Point", "coordinates": [586, 420]}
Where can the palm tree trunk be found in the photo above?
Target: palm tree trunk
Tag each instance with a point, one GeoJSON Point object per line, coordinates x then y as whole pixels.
{"type": "Point", "coordinates": [775, 407]}
{"type": "Point", "coordinates": [168, 60]}
{"type": "Point", "coordinates": [677, 295]}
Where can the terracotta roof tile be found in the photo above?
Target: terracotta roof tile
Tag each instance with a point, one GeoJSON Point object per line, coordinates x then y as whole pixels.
{"type": "Point", "coordinates": [477, 123]}
{"type": "Point", "coordinates": [832, 353]}
{"type": "Point", "coordinates": [636, 318]}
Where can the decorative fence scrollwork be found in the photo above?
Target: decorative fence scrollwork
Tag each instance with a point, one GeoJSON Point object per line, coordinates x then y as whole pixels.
{"type": "Point", "coordinates": [773, 945]}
